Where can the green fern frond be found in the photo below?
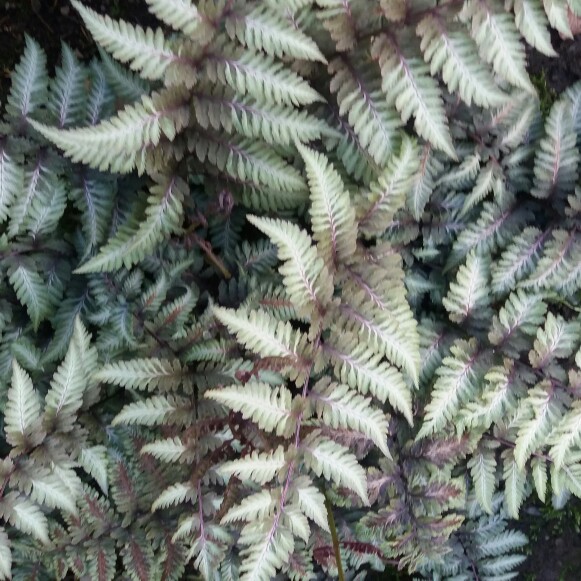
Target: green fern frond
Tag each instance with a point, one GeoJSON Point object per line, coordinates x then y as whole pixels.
{"type": "Point", "coordinates": [31, 290]}
{"type": "Point", "coordinates": [262, 29]}
{"type": "Point", "coordinates": [68, 90]}
{"type": "Point", "coordinates": [532, 23]}
{"type": "Point", "coordinates": [361, 100]}
{"type": "Point", "coordinates": [260, 468]}
{"type": "Point", "coordinates": [453, 53]}
{"type": "Point", "coordinates": [11, 182]}
{"type": "Point", "coordinates": [262, 78]}
{"type": "Point", "coordinates": [389, 192]}
{"type": "Point", "coordinates": [497, 38]}
{"type": "Point", "coordinates": [457, 377]}
{"type": "Point", "coordinates": [134, 241]}
{"type": "Point", "coordinates": [181, 15]}
{"type": "Point", "coordinates": [334, 462]}
{"type": "Point", "coordinates": [144, 374]}
{"type": "Point", "coordinates": [557, 156]}
{"type": "Point", "coordinates": [537, 415]}
{"type": "Point", "coordinates": [118, 144]}
{"type": "Point", "coordinates": [307, 280]}
{"type": "Point", "coordinates": [146, 51]}
{"type": "Point", "coordinates": [155, 411]}
{"type": "Point", "coordinates": [468, 297]}
{"type": "Point", "coordinates": [269, 407]}
{"type": "Point", "coordinates": [518, 260]}
{"type": "Point", "coordinates": [22, 421]}
{"type": "Point", "coordinates": [340, 407]}
{"type": "Point", "coordinates": [414, 92]}
{"type": "Point", "coordinates": [365, 370]}
{"type": "Point", "coordinates": [263, 334]}
{"type": "Point", "coordinates": [29, 82]}
{"type": "Point", "coordinates": [65, 396]}
{"type": "Point", "coordinates": [332, 216]}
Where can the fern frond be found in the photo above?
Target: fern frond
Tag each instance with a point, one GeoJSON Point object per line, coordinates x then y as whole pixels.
{"type": "Point", "coordinates": [144, 374]}
{"type": "Point", "coordinates": [539, 474]}
{"type": "Point", "coordinates": [257, 506]}
{"type": "Point", "coordinates": [262, 29]}
{"type": "Point", "coordinates": [174, 495]}
{"type": "Point", "coordinates": [566, 435]}
{"type": "Point", "coordinates": [485, 183]}
{"type": "Point", "coordinates": [263, 334]}
{"type": "Point", "coordinates": [498, 40]}
{"type": "Point", "coordinates": [31, 290]}
{"type": "Point", "coordinates": [468, 297]}
{"type": "Point", "coordinates": [559, 338]}
{"type": "Point", "coordinates": [518, 260]}
{"type": "Point", "coordinates": [94, 461]}
{"type": "Point", "coordinates": [269, 545]}
{"type": "Point", "coordinates": [423, 182]}
{"type": "Point", "coordinates": [332, 216]}
{"type": "Point", "coordinates": [553, 266]}
{"type": "Point", "coordinates": [531, 22]}
{"type": "Point", "coordinates": [155, 411]}
{"type": "Point", "coordinates": [49, 491]}
{"type": "Point", "coordinates": [259, 467]}
{"type": "Point", "coordinates": [251, 162]}
{"type": "Point", "coordinates": [557, 156]}
{"type": "Point", "coordinates": [453, 53]}
{"type": "Point", "coordinates": [515, 482]}
{"type": "Point", "coordinates": [558, 14]}
{"type": "Point", "coordinates": [128, 85]}
{"type": "Point", "coordinates": [262, 78]}
{"type": "Point", "coordinates": [456, 382]}
{"type": "Point", "coordinates": [408, 85]}
{"type": "Point", "coordinates": [311, 502]}
{"type": "Point", "coordinates": [132, 243]}
{"type": "Point", "coordinates": [521, 313]}
{"type": "Point", "coordinates": [146, 51]}
{"type": "Point", "coordinates": [181, 15]}
{"type": "Point", "coordinates": [68, 90]}
{"type": "Point", "coordinates": [537, 415]}
{"type": "Point", "coordinates": [100, 104]}
{"type": "Point", "coordinates": [482, 468]}
{"type": "Point", "coordinates": [393, 336]}
{"type": "Point", "coordinates": [340, 407]}
{"type": "Point", "coordinates": [65, 396]}
{"type": "Point", "coordinates": [307, 280]}
{"type": "Point", "coordinates": [29, 82]}
{"type": "Point", "coordinates": [360, 98]}
{"type": "Point", "coordinates": [170, 450]}
{"type": "Point", "coordinates": [25, 516]}
{"type": "Point", "coordinates": [269, 407]}
{"type": "Point", "coordinates": [115, 144]}
{"type": "Point", "coordinates": [388, 193]}
{"type": "Point", "coordinates": [365, 370]}
{"type": "Point", "coordinates": [11, 181]}
{"type": "Point", "coordinates": [22, 421]}
{"type": "Point", "coordinates": [5, 556]}
{"type": "Point", "coordinates": [494, 227]}
{"type": "Point", "coordinates": [334, 462]}
{"type": "Point", "coordinates": [94, 197]}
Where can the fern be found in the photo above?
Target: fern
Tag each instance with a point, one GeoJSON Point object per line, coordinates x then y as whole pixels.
{"type": "Point", "coordinates": [335, 321]}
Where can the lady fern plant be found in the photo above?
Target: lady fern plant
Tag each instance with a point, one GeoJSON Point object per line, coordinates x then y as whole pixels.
{"type": "Point", "coordinates": [335, 316]}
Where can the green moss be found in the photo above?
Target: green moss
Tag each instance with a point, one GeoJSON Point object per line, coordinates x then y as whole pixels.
{"type": "Point", "coordinates": [547, 95]}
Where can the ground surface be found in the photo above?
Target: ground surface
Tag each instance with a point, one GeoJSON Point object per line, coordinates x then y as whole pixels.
{"type": "Point", "coordinates": [556, 543]}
